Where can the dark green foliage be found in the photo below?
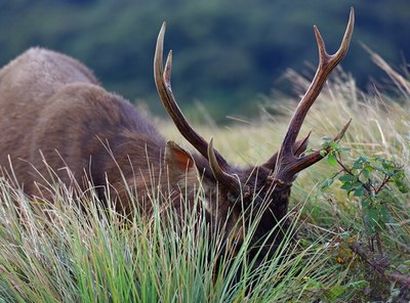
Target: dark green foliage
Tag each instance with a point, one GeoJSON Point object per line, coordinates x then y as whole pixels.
{"type": "Point", "coordinates": [366, 178]}
{"type": "Point", "coordinates": [226, 52]}
{"type": "Point", "coordinates": [371, 181]}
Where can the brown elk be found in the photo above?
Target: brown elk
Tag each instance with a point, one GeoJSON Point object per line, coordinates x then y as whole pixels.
{"type": "Point", "coordinates": [54, 114]}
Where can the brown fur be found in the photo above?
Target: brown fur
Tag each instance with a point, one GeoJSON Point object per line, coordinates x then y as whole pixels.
{"type": "Point", "coordinates": [52, 108]}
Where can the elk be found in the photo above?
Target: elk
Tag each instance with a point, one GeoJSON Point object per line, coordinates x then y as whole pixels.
{"type": "Point", "coordinates": [54, 114]}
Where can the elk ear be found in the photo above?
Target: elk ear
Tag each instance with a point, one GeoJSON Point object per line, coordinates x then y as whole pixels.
{"type": "Point", "coordinates": [181, 165]}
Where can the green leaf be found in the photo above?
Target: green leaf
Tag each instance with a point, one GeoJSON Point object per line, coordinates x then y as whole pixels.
{"type": "Point", "coordinates": [331, 159]}
{"type": "Point", "coordinates": [347, 186]}
{"type": "Point", "coordinates": [347, 178]}
{"type": "Point", "coordinates": [403, 188]}
{"type": "Point", "coordinates": [400, 183]}
{"type": "Point", "coordinates": [359, 191]}
{"type": "Point", "coordinates": [367, 170]}
{"type": "Point", "coordinates": [360, 162]}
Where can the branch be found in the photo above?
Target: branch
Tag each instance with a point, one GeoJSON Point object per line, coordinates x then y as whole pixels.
{"type": "Point", "coordinates": [369, 190]}
{"type": "Point", "coordinates": [381, 267]}
{"type": "Point", "coordinates": [385, 181]}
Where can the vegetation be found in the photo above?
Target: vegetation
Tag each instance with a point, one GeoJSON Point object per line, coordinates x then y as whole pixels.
{"type": "Point", "coordinates": [64, 253]}
{"type": "Point", "coordinates": [227, 53]}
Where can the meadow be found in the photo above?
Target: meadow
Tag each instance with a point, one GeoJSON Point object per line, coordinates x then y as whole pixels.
{"type": "Point", "coordinates": [59, 253]}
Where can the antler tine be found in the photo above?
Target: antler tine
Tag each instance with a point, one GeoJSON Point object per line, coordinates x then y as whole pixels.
{"type": "Point", "coordinates": [326, 64]}
{"type": "Point", "coordinates": [316, 156]}
{"type": "Point", "coordinates": [299, 148]}
{"type": "Point", "coordinates": [218, 172]}
{"type": "Point", "coordinates": [162, 78]}
{"type": "Point", "coordinates": [302, 145]}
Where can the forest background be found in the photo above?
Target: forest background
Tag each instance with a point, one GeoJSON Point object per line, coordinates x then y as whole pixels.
{"type": "Point", "coordinates": [228, 55]}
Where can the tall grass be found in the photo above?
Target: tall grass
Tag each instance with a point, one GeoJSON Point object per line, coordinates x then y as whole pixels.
{"type": "Point", "coordinates": [58, 253]}
{"type": "Point", "coordinates": [62, 253]}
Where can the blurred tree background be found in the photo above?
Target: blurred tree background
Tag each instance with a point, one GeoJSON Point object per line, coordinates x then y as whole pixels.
{"type": "Point", "coordinates": [227, 53]}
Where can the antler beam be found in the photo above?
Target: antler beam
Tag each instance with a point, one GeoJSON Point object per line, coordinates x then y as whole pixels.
{"type": "Point", "coordinates": [162, 76]}
{"type": "Point", "coordinates": [287, 162]}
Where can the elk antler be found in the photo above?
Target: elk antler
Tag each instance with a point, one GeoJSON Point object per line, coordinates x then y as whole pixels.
{"type": "Point", "coordinates": [162, 76]}
{"type": "Point", "coordinates": [299, 148]}
{"type": "Point", "coordinates": [227, 179]}
{"type": "Point", "coordinates": [288, 163]}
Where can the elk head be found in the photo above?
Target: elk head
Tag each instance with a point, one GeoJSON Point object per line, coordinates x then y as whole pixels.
{"type": "Point", "coordinates": [266, 188]}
